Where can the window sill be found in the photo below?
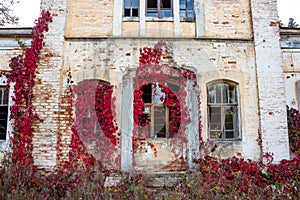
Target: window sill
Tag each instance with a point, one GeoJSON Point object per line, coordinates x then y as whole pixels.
{"type": "Point", "coordinates": [131, 19]}
{"type": "Point", "coordinates": [156, 19]}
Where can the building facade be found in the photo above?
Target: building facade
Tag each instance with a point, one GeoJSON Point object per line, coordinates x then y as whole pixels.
{"type": "Point", "coordinates": [217, 76]}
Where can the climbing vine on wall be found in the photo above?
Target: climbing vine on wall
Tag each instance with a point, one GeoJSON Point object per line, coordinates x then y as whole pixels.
{"type": "Point", "coordinates": [22, 75]}
{"type": "Point", "coordinates": [94, 138]}
{"type": "Point", "coordinates": [171, 81]}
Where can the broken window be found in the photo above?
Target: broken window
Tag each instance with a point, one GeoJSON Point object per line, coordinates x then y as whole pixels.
{"type": "Point", "coordinates": [4, 99]}
{"type": "Point", "coordinates": [222, 110]}
{"type": "Point", "coordinates": [159, 8]}
{"type": "Point", "coordinates": [187, 10]}
{"type": "Point", "coordinates": [131, 8]}
{"type": "Point", "coordinates": [160, 119]}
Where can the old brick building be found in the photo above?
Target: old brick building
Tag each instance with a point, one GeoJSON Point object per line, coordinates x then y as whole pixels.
{"type": "Point", "coordinates": [235, 96]}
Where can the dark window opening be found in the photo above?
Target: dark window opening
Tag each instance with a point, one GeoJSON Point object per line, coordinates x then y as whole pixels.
{"type": "Point", "coordinates": [4, 96]}
{"type": "Point", "coordinates": [159, 120]}
{"type": "Point", "coordinates": [159, 8]}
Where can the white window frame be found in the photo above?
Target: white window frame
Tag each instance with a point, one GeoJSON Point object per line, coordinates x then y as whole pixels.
{"type": "Point", "coordinates": [4, 144]}
{"type": "Point", "coordinates": [222, 105]}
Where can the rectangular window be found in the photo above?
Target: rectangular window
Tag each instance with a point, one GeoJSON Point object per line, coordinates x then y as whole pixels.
{"type": "Point", "coordinates": [187, 10]}
{"type": "Point", "coordinates": [159, 118]}
{"type": "Point", "coordinates": [131, 8]}
{"type": "Point", "coordinates": [159, 8]}
{"type": "Point", "coordinates": [4, 96]}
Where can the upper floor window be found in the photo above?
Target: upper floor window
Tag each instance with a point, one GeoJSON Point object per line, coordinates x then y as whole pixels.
{"type": "Point", "coordinates": [131, 8]}
{"type": "Point", "coordinates": [159, 8]}
{"type": "Point", "coordinates": [186, 10]}
{"type": "Point", "coordinates": [222, 103]}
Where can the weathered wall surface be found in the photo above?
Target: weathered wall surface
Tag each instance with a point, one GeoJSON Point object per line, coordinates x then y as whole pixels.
{"type": "Point", "coordinates": [47, 90]}
{"type": "Point", "coordinates": [89, 18]}
{"type": "Point", "coordinates": [88, 51]}
{"type": "Point", "coordinates": [270, 79]}
{"type": "Point", "coordinates": [110, 60]}
{"type": "Point", "coordinates": [228, 19]}
{"type": "Point", "coordinates": [9, 48]}
{"type": "Point", "coordinates": [290, 44]}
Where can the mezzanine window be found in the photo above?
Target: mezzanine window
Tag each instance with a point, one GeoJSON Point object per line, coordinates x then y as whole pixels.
{"type": "Point", "coordinates": [159, 8]}
{"type": "Point", "coordinates": [131, 8]}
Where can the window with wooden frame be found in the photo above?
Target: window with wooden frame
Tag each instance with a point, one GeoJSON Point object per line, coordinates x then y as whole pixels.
{"type": "Point", "coordinates": [222, 104]}
{"type": "Point", "coordinates": [4, 99]}
{"type": "Point", "coordinates": [187, 10]}
{"type": "Point", "coordinates": [159, 8]}
{"type": "Point", "coordinates": [131, 8]}
{"type": "Point", "coordinates": [159, 119]}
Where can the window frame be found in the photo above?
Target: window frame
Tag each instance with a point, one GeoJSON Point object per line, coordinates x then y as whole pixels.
{"type": "Point", "coordinates": [149, 112]}
{"type": "Point", "coordinates": [159, 9]}
{"type": "Point", "coordinates": [236, 130]}
{"type": "Point", "coordinates": [186, 10]}
{"type": "Point", "coordinates": [4, 142]}
{"type": "Point", "coordinates": [131, 7]}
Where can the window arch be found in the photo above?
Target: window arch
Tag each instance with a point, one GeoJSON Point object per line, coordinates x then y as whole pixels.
{"type": "Point", "coordinates": [223, 110]}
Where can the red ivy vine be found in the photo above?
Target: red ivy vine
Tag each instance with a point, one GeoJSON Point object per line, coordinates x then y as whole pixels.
{"type": "Point", "coordinates": [94, 137]}
{"type": "Point", "coordinates": [23, 74]}
{"type": "Point", "coordinates": [172, 81]}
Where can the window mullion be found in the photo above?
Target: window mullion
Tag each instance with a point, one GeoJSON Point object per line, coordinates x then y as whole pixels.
{"type": "Point", "coordinates": [223, 121]}
{"type": "Point", "coordinates": [167, 121]}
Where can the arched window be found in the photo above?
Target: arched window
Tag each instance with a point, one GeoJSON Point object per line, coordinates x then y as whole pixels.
{"type": "Point", "coordinates": [222, 104]}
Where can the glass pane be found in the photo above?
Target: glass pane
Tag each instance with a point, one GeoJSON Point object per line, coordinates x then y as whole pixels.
{"type": "Point", "coordinates": [127, 4]}
{"type": "Point", "coordinates": [5, 97]}
{"type": "Point", "coordinates": [229, 118]}
{"type": "Point", "coordinates": [191, 14]}
{"type": "Point", "coordinates": [165, 3]}
{"type": "Point", "coordinates": [225, 93]}
{"type": "Point", "coordinates": [1, 96]}
{"type": "Point", "coordinates": [135, 3]}
{"type": "Point", "coordinates": [135, 12]}
{"type": "Point", "coordinates": [3, 121]}
{"type": "Point", "coordinates": [165, 13]}
{"type": "Point", "coordinates": [211, 94]}
{"type": "Point", "coordinates": [158, 95]}
{"type": "Point", "coordinates": [190, 4]}
{"type": "Point", "coordinates": [159, 121]}
{"type": "Point", "coordinates": [230, 113]}
{"type": "Point", "coordinates": [152, 4]}
{"type": "Point", "coordinates": [229, 134]}
{"type": "Point", "coordinates": [127, 13]}
{"type": "Point", "coordinates": [218, 93]}
{"type": "Point", "coordinates": [232, 98]}
{"type": "Point", "coordinates": [147, 93]}
{"type": "Point", "coordinates": [215, 134]}
{"type": "Point", "coordinates": [182, 4]}
{"type": "Point", "coordinates": [215, 119]}
{"type": "Point", "coordinates": [182, 13]}
{"type": "Point", "coordinates": [152, 13]}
